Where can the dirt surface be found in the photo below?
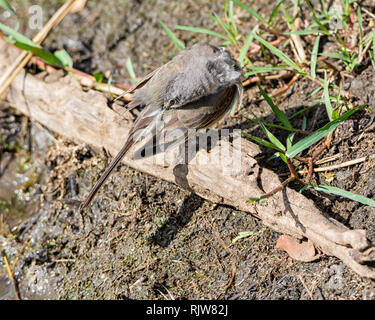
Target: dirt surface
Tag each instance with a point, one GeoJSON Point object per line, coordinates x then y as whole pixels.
{"type": "Point", "coordinates": [147, 239]}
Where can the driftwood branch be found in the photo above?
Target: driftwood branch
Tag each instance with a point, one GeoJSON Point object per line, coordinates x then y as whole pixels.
{"type": "Point", "coordinates": [60, 104]}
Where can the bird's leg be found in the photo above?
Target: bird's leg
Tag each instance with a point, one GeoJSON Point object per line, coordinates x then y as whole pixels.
{"type": "Point", "coordinates": [184, 151]}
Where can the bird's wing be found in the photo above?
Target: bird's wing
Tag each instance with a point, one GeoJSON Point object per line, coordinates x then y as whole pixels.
{"type": "Point", "coordinates": [136, 102]}
{"type": "Point", "coordinates": [174, 125]}
{"type": "Point", "coordinates": [207, 111]}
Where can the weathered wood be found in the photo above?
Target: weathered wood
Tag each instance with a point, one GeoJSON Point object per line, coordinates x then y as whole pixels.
{"type": "Point", "coordinates": [62, 105]}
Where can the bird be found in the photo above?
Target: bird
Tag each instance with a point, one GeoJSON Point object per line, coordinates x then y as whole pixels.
{"type": "Point", "coordinates": [194, 90]}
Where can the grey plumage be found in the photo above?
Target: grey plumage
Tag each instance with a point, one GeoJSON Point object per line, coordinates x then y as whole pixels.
{"type": "Point", "coordinates": [194, 90]}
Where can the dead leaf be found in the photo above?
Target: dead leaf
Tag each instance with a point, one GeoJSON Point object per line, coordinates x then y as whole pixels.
{"type": "Point", "coordinates": [304, 251]}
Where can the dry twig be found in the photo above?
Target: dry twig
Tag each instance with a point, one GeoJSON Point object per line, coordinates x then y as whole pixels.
{"type": "Point", "coordinates": [11, 277]}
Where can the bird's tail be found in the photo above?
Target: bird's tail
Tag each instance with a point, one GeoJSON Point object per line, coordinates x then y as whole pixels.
{"type": "Point", "coordinates": [107, 172]}
{"type": "Point", "coordinates": [143, 127]}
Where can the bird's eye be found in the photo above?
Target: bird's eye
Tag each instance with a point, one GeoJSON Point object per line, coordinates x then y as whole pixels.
{"type": "Point", "coordinates": [211, 66]}
{"type": "Point", "coordinates": [236, 67]}
{"type": "Point", "coordinates": [215, 49]}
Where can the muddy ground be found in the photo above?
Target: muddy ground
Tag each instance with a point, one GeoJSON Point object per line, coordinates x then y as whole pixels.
{"type": "Point", "coordinates": [148, 239]}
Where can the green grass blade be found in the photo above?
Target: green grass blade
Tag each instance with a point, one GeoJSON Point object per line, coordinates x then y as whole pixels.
{"type": "Point", "coordinates": [226, 43]}
{"type": "Point", "coordinates": [304, 123]}
{"type": "Point", "coordinates": [202, 30]}
{"type": "Point", "coordinates": [316, 18]}
{"type": "Point", "coordinates": [314, 56]}
{"type": "Point", "coordinates": [338, 97]}
{"type": "Point", "coordinates": [327, 98]}
{"type": "Point", "coordinates": [251, 11]}
{"type": "Point", "coordinates": [346, 194]}
{"type": "Point", "coordinates": [226, 28]}
{"type": "Point", "coordinates": [279, 114]}
{"type": "Point", "coordinates": [16, 35]}
{"type": "Point", "coordinates": [336, 56]}
{"type": "Point", "coordinates": [315, 91]}
{"type": "Point", "coordinates": [26, 44]}
{"type": "Point", "coordinates": [64, 58]}
{"type": "Point", "coordinates": [343, 45]}
{"type": "Point", "coordinates": [232, 19]}
{"type": "Point", "coordinates": [274, 11]}
{"type": "Point", "coordinates": [276, 142]}
{"type": "Point", "coordinates": [283, 157]}
{"type": "Point", "coordinates": [109, 83]}
{"type": "Point", "coordinates": [130, 69]}
{"type": "Point", "coordinates": [45, 55]}
{"type": "Point", "coordinates": [288, 19]}
{"type": "Point", "coordinates": [265, 54]}
{"type": "Point", "coordinates": [7, 6]}
{"type": "Point", "coordinates": [324, 7]}
{"type": "Point", "coordinates": [305, 32]}
{"type": "Point", "coordinates": [324, 22]}
{"type": "Point", "coordinates": [319, 134]}
{"type": "Point", "coordinates": [289, 140]}
{"type": "Point", "coordinates": [295, 115]}
{"type": "Point", "coordinates": [262, 142]}
{"type": "Point", "coordinates": [178, 43]}
{"type": "Point", "coordinates": [246, 45]}
{"type": "Point", "coordinates": [256, 70]}
{"type": "Point", "coordinates": [280, 54]}
{"type": "Point", "coordinates": [309, 186]}
{"type": "Point", "coordinates": [272, 125]}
